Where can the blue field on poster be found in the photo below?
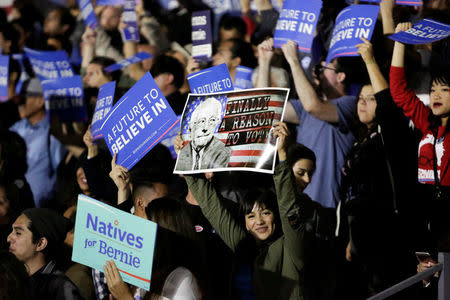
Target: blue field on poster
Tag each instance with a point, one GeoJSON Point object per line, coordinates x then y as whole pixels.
{"type": "Point", "coordinates": [211, 80]}
{"type": "Point", "coordinates": [201, 35]}
{"type": "Point", "coordinates": [423, 32]}
{"type": "Point", "coordinates": [137, 122]}
{"type": "Point", "coordinates": [103, 106]}
{"type": "Point", "coordinates": [243, 78]}
{"type": "Point", "coordinates": [128, 61]}
{"type": "Point", "coordinates": [88, 13]}
{"type": "Point", "coordinates": [49, 64]}
{"type": "Point", "coordinates": [297, 22]}
{"type": "Point", "coordinates": [104, 233]}
{"type": "Point", "coordinates": [4, 67]}
{"type": "Point", "coordinates": [352, 23]}
{"type": "Point", "coordinates": [64, 99]}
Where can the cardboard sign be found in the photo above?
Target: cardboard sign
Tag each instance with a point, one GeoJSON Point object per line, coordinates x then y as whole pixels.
{"type": "Point", "coordinates": [49, 64]}
{"type": "Point", "coordinates": [103, 106]}
{"type": "Point", "coordinates": [297, 22]}
{"type": "Point", "coordinates": [230, 131]}
{"type": "Point", "coordinates": [211, 80]}
{"type": "Point", "coordinates": [88, 13]}
{"type": "Point", "coordinates": [4, 67]}
{"type": "Point", "coordinates": [138, 121]}
{"type": "Point", "coordinates": [128, 61]}
{"type": "Point", "coordinates": [423, 32]}
{"type": "Point", "coordinates": [64, 99]}
{"type": "Point", "coordinates": [104, 233]}
{"type": "Point", "coordinates": [243, 78]}
{"type": "Point", "coordinates": [131, 31]}
{"type": "Point", "coordinates": [398, 2]}
{"type": "Point", "coordinates": [201, 35]}
{"type": "Point", "coordinates": [352, 23]}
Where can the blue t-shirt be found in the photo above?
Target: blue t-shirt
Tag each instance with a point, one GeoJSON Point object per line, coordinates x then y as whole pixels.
{"type": "Point", "coordinates": [330, 142]}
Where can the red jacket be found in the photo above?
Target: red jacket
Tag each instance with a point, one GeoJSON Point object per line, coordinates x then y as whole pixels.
{"type": "Point", "coordinates": [414, 109]}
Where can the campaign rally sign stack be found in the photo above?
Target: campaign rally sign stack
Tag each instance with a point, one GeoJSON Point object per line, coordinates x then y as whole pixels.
{"type": "Point", "coordinates": [297, 22]}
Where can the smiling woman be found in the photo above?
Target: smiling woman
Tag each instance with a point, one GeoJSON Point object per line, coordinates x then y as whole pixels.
{"type": "Point", "coordinates": [270, 243]}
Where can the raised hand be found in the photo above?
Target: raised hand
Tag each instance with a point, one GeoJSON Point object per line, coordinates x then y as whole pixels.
{"type": "Point", "coordinates": [366, 51]}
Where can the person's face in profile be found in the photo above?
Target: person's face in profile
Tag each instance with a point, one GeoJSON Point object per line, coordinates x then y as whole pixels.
{"type": "Point", "coordinates": [203, 125]}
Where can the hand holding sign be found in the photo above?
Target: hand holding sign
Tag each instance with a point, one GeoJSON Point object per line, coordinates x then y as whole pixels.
{"type": "Point", "coordinates": [265, 51]}
{"type": "Point", "coordinates": [403, 27]}
{"type": "Point", "coordinates": [118, 288]}
{"type": "Point", "coordinates": [290, 52]}
{"type": "Point", "coordinates": [366, 51]}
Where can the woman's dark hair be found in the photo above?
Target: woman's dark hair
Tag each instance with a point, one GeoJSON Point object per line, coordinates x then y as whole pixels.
{"type": "Point", "coordinates": [360, 130]}
{"type": "Point", "coordinates": [261, 197]}
{"type": "Point", "coordinates": [105, 62]}
{"type": "Point", "coordinates": [299, 151]}
{"type": "Point", "coordinates": [441, 77]}
{"type": "Point", "coordinates": [13, 277]}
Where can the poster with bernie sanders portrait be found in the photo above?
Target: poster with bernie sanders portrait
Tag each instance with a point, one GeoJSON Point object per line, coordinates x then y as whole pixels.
{"type": "Point", "coordinates": [230, 131]}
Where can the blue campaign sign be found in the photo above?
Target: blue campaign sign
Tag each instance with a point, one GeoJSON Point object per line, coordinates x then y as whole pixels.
{"type": "Point", "coordinates": [23, 74]}
{"type": "Point", "coordinates": [201, 35]}
{"type": "Point", "coordinates": [138, 121]}
{"type": "Point", "coordinates": [49, 64]}
{"type": "Point", "coordinates": [4, 66]}
{"type": "Point", "coordinates": [131, 31]}
{"type": "Point", "coordinates": [104, 233]}
{"type": "Point", "coordinates": [169, 4]}
{"type": "Point", "coordinates": [243, 78]}
{"type": "Point", "coordinates": [297, 22]}
{"type": "Point", "coordinates": [211, 80]}
{"type": "Point", "coordinates": [64, 99]}
{"type": "Point", "coordinates": [88, 13]}
{"type": "Point", "coordinates": [423, 32]}
{"type": "Point", "coordinates": [128, 61]}
{"type": "Point", "coordinates": [110, 2]}
{"type": "Point", "coordinates": [398, 2]}
{"type": "Point", "coordinates": [169, 139]}
{"type": "Point", "coordinates": [104, 104]}
{"type": "Point", "coordinates": [351, 24]}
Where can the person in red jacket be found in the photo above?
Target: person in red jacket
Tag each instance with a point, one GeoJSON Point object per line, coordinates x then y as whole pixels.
{"type": "Point", "coordinates": [434, 148]}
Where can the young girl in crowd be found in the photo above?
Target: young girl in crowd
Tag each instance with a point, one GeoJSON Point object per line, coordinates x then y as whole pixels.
{"type": "Point", "coordinates": [434, 148]}
{"type": "Point", "coordinates": [272, 240]}
{"type": "Point", "coordinates": [378, 172]}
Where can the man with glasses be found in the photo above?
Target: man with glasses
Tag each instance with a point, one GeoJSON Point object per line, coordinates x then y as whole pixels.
{"type": "Point", "coordinates": [204, 150]}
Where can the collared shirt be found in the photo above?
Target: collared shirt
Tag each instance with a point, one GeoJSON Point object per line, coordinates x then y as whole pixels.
{"type": "Point", "coordinates": [44, 153]}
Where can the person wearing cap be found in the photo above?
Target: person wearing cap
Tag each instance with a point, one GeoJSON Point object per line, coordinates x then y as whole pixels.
{"type": "Point", "coordinates": [45, 152]}
{"type": "Point", "coordinates": [34, 240]}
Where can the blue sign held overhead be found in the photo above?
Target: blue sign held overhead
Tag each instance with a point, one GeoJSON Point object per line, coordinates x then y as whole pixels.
{"type": "Point", "coordinates": [138, 121]}
{"type": "Point", "coordinates": [131, 31]}
{"type": "Point", "coordinates": [49, 64]}
{"type": "Point", "coordinates": [211, 80]}
{"type": "Point", "coordinates": [4, 67]}
{"type": "Point", "coordinates": [103, 106]}
{"type": "Point", "coordinates": [104, 233]}
{"type": "Point", "coordinates": [88, 13]}
{"type": "Point", "coordinates": [423, 32]}
{"type": "Point", "coordinates": [64, 99]}
{"type": "Point", "coordinates": [297, 22]}
{"type": "Point", "coordinates": [128, 61]}
{"type": "Point", "coordinates": [110, 2]}
{"type": "Point", "coordinates": [352, 23]}
{"type": "Point", "coordinates": [243, 78]}
{"type": "Point", "coordinates": [201, 35]}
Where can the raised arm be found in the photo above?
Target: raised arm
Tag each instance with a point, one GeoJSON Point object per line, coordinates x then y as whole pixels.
{"type": "Point", "coordinates": [87, 46]}
{"type": "Point", "coordinates": [265, 54]}
{"type": "Point", "coordinates": [290, 202]}
{"type": "Point", "coordinates": [376, 77]}
{"type": "Point", "coordinates": [121, 178]}
{"type": "Point", "coordinates": [311, 102]}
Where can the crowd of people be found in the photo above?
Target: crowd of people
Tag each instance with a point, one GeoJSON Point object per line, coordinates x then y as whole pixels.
{"type": "Point", "coordinates": [360, 182]}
